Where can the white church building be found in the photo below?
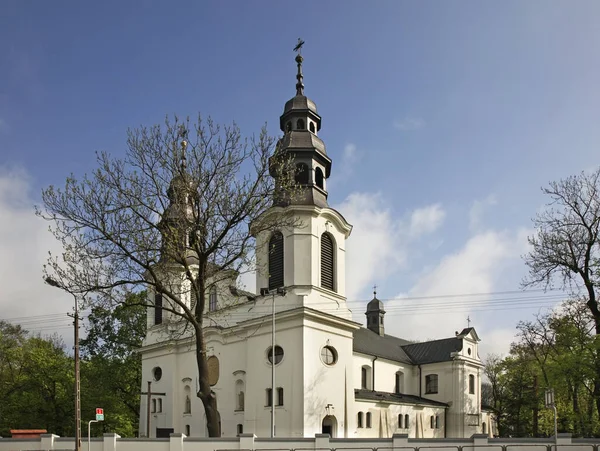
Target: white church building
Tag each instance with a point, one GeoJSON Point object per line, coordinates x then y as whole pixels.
{"type": "Point", "coordinates": [331, 374]}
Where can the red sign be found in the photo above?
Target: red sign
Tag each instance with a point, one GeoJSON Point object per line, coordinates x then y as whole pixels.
{"type": "Point", "coordinates": [99, 411]}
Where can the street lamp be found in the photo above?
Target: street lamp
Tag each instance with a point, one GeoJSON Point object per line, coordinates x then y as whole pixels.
{"type": "Point", "coordinates": [264, 292]}
{"type": "Point", "coordinates": [53, 283]}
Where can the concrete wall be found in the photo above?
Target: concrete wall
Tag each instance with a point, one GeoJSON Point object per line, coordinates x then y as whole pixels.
{"type": "Point", "coordinates": [179, 442]}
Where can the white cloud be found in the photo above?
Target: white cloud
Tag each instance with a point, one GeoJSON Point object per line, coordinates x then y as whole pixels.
{"type": "Point", "coordinates": [374, 249]}
{"type": "Point", "coordinates": [424, 221]}
{"type": "Point", "coordinates": [477, 211]}
{"type": "Point", "coordinates": [350, 157]}
{"type": "Point", "coordinates": [409, 123]}
{"type": "Point", "coordinates": [380, 241]}
{"type": "Point", "coordinates": [473, 269]}
{"type": "Point", "coordinates": [24, 245]}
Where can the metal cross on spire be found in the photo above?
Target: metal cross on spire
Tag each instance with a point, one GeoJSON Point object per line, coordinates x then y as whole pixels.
{"type": "Point", "coordinates": [299, 45]}
{"type": "Point", "coordinates": [374, 291]}
{"type": "Point", "coordinates": [299, 76]}
{"type": "Point", "coordinates": [468, 321]}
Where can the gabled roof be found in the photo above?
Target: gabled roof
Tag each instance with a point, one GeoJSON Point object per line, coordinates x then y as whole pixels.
{"type": "Point", "coordinates": [433, 351]}
{"type": "Point", "coordinates": [387, 347]}
{"type": "Point", "coordinates": [396, 398]}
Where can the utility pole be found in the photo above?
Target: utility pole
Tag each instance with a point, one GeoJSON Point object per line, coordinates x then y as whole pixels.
{"type": "Point", "coordinates": [149, 394]}
{"type": "Point", "coordinates": [50, 281]}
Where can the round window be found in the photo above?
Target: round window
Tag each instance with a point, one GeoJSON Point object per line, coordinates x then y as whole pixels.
{"type": "Point", "coordinates": [329, 355]}
{"type": "Point", "coordinates": [278, 354]}
{"type": "Point", "coordinates": [469, 351]}
{"type": "Point", "coordinates": [157, 373]}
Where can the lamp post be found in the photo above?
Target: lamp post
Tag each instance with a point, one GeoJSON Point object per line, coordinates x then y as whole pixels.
{"type": "Point", "coordinates": [549, 399]}
{"type": "Point", "coordinates": [264, 292]}
{"type": "Point", "coordinates": [54, 283]}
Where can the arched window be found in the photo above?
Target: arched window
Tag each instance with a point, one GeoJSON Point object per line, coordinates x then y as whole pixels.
{"type": "Point", "coordinates": [269, 393]}
{"type": "Point", "coordinates": [399, 387]}
{"type": "Point", "coordinates": [312, 127]}
{"type": "Point", "coordinates": [240, 429]}
{"type": "Point", "coordinates": [471, 384]}
{"type": "Point", "coordinates": [359, 420]}
{"type": "Point", "coordinates": [301, 174]}
{"type": "Point", "coordinates": [187, 430]}
{"type": "Point", "coordinates": [153, 405]}
{"type": "Point", "coordinates": [327, 262]}
{"type": "Point", "coordinates": [400, 422]}
{"type": "Point", "coordinates": [319, 178]}
{"type": "Point", "coordinates": [368, 419]}
{"type": "Point", "coordinates": [365, 377]}
{"type": "Point", "coordinates": [158, 310]}
{"type": "Point", "coordinates": [187, 406]}
{"type": "Point", "coordinates": [431, 425]}
{"type": "Point", "coordinates": [483, 427]}
{"type": "Point", "coordinates": [437, 421]}
{"type": "Point", "coordinates": [212, 299]}
{"type": "Point", "coordinates": [159, 408]}
{"type": "Point", "coordinates": [279, 396]}
{"type": "Point", "coordinates": [300, 124]}
{"type": "Point", "coordinates": [239, 395]}
{"type": "Point", "coordinates": [276, 261]}
{"type": "Point", "coordinates": [406, 421]}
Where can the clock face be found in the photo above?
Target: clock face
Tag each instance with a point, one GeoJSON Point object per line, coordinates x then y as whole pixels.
{"type": "Point", "coordinates": [213, 370]}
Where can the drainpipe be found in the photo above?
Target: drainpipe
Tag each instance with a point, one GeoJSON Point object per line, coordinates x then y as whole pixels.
{"type": "Point", "coordinates": [420, 382]}
{"type": "Point", "coordinates": [373, 366]}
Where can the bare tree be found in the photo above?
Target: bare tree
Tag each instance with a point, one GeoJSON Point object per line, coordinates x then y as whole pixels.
{"type": "Point", "coordinates": [565, 245]}
{"type": "Point", "coordinates": [182, 208]}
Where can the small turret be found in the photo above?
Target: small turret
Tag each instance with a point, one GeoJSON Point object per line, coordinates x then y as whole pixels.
{"type": "Point", "coordinates": [375, 314]}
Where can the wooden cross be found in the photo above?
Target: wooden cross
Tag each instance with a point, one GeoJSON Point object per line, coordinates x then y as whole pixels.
{"type": "Point", "coordinates": [149, 393]}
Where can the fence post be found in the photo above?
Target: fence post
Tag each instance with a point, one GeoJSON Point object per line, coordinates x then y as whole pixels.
{"type": "Point", "coordinates": [176, 441]}
{"type": "Point", "coordinates": [109, 441]}
{"type": "Point", "coordinates": [399, 441]}
{"type": "Point", "coordinates": [322, 441]}
{"type": "Point", "coordinates": [479, 440]}
{"type": "Point", "coordinates": [247, 440]}
{"type": "Point", "coordinates": [563, 438]}
{"type": "Point", "coordinates": [47, 441]}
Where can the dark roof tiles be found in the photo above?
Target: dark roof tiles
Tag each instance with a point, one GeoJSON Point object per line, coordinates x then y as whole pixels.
{"type": "Point", "coordinates": [396, 398]}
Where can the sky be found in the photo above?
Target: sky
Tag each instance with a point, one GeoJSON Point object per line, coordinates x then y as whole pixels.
{"type": "Point", "coordinates": [443, 121]}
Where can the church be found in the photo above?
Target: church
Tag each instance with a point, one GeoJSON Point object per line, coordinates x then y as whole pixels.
{"type": "Point", "coordinates": [290, 361]}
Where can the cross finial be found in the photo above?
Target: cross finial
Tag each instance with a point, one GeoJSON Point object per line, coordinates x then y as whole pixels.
{"type": "Point", "coordinates": [299, 76]}
{"type": "Point", "coordinates": [468, 321]}
{"type": "Point", "coordinates": [299, 45]}
{"type": "Point", "coordinates": [375, 290]}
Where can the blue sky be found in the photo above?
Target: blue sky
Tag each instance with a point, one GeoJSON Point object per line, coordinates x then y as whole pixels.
{"type": "Point", "coordinates": [443, 120]}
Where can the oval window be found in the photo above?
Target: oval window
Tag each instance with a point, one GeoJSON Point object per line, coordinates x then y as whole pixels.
{"type": "Point", "coordinates": [157, 373]}
{"type": "Point", "coordinates": [278, 354]}
{"type": "Point", "coordinates": [329, 355]}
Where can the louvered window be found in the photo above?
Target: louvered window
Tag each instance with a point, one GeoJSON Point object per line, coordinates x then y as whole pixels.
{"type": "Point", "coordinates": [158, 311]}
{"type": "Point", "coordinates": [327, 263]}
{"type": "Point", "coordinates": [276, 261]}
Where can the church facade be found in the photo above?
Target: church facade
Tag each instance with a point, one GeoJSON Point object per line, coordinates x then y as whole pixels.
{"type": "Point", "coordinates": [325, 373]}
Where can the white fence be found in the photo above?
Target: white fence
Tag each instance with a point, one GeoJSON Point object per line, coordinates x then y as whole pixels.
{"type": "Point", "coordinates": [321, 442]}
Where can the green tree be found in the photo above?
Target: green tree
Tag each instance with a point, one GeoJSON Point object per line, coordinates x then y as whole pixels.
{"type": "Point", "coordinates": [565, 248]}
{"type": "Point", "coordinates": [36, 382]}
{"type": "Point", "coordinates": [111, 365]}
{"type": "Point", "coordinates": [186, 198]}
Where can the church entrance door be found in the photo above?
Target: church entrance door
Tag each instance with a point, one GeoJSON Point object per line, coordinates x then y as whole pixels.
{"type": "Point", "coordinates": [329, 426]}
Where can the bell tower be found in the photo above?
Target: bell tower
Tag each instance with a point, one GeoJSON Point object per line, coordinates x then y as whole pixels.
{"type": "Point", "coordinates": [300, 124]}
{"type": "Point", "coordinates": [308, 260]}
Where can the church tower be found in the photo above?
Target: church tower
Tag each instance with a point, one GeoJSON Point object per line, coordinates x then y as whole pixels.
{"type": "Point", "coordinates": [310, 259]}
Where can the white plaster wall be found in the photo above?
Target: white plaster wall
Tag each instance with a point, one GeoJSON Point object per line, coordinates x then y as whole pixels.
{"type": "Point", "coordinates": [328, 389]}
